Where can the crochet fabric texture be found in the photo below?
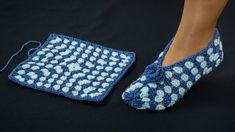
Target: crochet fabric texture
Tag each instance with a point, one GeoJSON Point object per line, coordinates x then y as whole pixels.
{"type": "Point", "coordinates": [161, 87]}
{"type": "Point", "coordinates": [73, 68]}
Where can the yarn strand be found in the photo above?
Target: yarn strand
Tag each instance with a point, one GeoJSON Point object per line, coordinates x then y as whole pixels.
{"type": "Point", "coordinates": [20, 50]}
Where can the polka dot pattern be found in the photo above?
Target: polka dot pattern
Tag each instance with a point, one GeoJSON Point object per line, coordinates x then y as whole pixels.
{"type": "Point", "coordinates": [177, 78]}
{"type": "Point", "coordinates": [73, 68]}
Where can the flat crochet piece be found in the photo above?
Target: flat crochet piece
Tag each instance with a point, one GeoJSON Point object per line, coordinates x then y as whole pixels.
{"type": "Point", "coordinates": [73, 68]}
{"type": "Point", "coordinates": [161, 87]}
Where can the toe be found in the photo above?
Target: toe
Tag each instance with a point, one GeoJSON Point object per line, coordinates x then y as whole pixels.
{"type": "Point", "coordinates": [131, 96]}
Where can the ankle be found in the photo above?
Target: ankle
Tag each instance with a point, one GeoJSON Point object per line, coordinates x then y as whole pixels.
{"type": "Point", "coordinates": [192, 39]}
{"type": "Point", "coordinates": [186, 44]}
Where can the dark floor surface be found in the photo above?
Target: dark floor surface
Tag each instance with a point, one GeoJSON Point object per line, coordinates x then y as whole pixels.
{"type": "Point", "coordinates": [141, 26]}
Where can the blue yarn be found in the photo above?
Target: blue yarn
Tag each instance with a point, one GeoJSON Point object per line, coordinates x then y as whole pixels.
{"type": "Point", "coordinates": [15, 54]}
{"type": "Point", "coordinates": [154, 72]}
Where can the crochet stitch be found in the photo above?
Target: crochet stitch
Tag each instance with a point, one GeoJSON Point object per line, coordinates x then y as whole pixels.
{"type": "Point", "coordinates": [161, 87]}
{"type": "Point", "coordinates": [73, 68]}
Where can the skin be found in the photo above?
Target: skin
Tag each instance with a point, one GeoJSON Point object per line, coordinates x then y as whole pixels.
{"type": "Point", "coordinates": [196, 29]}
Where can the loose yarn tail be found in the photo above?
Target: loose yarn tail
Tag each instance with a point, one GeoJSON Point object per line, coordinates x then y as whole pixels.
{"type": "Point", "coordinates": [20, 50]}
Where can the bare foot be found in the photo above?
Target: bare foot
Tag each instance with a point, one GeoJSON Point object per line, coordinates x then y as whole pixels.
{"type": "Point", "coordinates": [187, 44]}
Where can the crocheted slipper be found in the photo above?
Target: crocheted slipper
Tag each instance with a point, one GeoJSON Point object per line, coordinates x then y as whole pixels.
{"type": "Point", "coordinates": [73, 68]}
{"type": "Point", "coordinates": [161, 87]}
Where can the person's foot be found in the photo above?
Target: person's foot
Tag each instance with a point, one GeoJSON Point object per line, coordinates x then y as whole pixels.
{"type": "Point", "coordinates": [160, 86]}
{"type": "Point", "coordinates": [186, 44]}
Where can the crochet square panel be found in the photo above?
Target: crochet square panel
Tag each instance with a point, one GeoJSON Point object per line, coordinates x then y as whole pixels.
{"type": "Point", "coordinates": [73, 68]}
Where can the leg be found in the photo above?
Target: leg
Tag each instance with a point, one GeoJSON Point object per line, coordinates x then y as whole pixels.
{"type": "Point", "coordinates": [196, 28]}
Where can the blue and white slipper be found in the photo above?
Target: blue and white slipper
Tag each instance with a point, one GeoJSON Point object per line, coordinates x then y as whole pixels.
{"type": "Point", "coordinates": [161, 87]}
